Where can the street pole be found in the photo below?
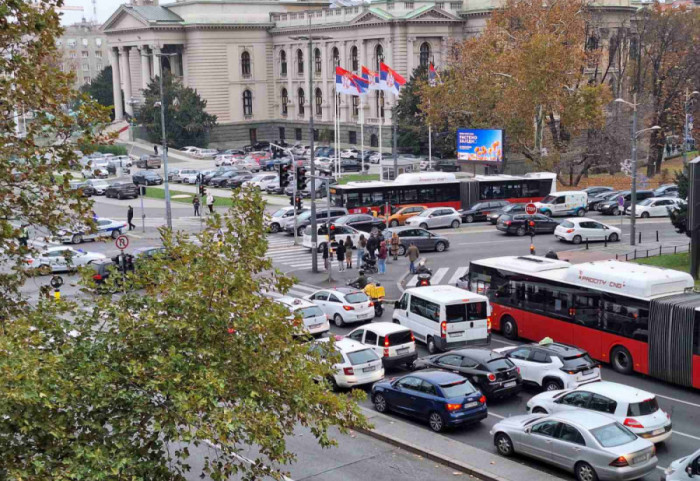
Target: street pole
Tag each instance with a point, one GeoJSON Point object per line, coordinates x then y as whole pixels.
{"type": "Point", "coordinates": [685, 128]}
{"type": "Point", "coordinates": [168, 211]}
{"type": "Point", "coordinates": [312, 168]}
{"type": "Point", "coordinates": [330, 259]}
{"type": "Point", "coordinates": [396, 134]}
{"type": "Point", "coordinates": [633, 199]}
{"type": "Point", "coordinates": [143, 212]}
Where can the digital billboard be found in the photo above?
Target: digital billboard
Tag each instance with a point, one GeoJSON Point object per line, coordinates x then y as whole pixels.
{"type": "Point", "coordinates": [480, 145]}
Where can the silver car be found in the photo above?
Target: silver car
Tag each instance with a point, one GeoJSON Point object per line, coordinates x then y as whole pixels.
{"type": "Point", "coordinates": [424, 240]}
{"type": "Point", "coordinates": [589, 444]}
{"type": "Point", "coordinates": [436, 217]}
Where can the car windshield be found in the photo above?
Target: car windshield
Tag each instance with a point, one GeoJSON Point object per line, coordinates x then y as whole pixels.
{"type": "Point", "coordinates": [304, 216]}
{"type": "Point", "coordinates": [549, 199]}
{"type": "Point", "coordinates": [425, 213]}
{"type": "Point", "coordinates": [259, 177]}
{"type": "Point", "coordinates": [577, 362]}
{"type": "Point", "coordinates": [644, 408]}
{"type": "Point", "coordinates": [646, 201]}
{"type": "Point", "coordinates": [397, 338]}
{"type": "Point", "coordinates": [362, 357]}
{"type": "Point", "coordinates": [612, 435]}
{"type": "Point", "coordinates": [457, 389]}
{"type": "Point", "coordinates": [356, 298]}
{"type": "Point", "coordinates": [473, 311]}
{"type": "Point", "coordinates": [307, 312]}
{"type": "Point", "coordinates": [279, 213]}
{"type": "Point", "coordinates": [567, 224]}
{"type": "Point", "coordinates": [500, 364]}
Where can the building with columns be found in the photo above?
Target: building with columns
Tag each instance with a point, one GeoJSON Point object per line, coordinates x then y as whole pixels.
{"type": "Point", "coordinates": [249, 59]}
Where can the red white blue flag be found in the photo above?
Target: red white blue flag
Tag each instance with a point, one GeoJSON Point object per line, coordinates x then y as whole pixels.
{"type": "Point", "coordinates": [348, 83]}
{"type": "Point", "coordinates": [433, 75]}
{"type": "Point", "coordinates": [391, 81]}
{"type": "Point", "coordinates": [372, 78]}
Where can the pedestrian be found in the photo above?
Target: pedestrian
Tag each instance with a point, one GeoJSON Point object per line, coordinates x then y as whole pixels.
{"type": "Point", "coordinates": [324, 254]}
{"type": "Point", "coordinates": [413, 255]}
{"type": "Point", "coordinates": [340, 252]}
{"type": "Point", "coordinates": [195, 204]}
{"type": "Point", "coordinates": [361, 245]}
{"type": "Point", "coordinates": [372, 245]}
{"type": "Point", "coordinates": [24, 236]}
{"type": "Point", "coordinates": [382, 257]}
{"type": "Point", "coordinates": [210, 202]}
{"type": "Point", "coordinates": [155, 149]}
{"type": "Point", "coordinates": [395, 242]}
{"type": "Point", "coordinates": [130, 217]}
{"type": "Point", "coordinates": [348, 248]}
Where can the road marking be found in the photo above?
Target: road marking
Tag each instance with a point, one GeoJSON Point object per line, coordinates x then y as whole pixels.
{"type": "Point", "coordinates": [678, 400]}
{"type": "Point", "coordinates": [687, 435]}
{"type": "Point", "coordinates": [491, 413]}
{"type": "Point", "coordinates": [514, 239]}
{"type": "Point", "coordinates": [412, 282]}
{"type": "Point", "coordinates": [437, 277]}
{"type": "Point", "coordinates": [458, 274]}
{"type": "Point", "coordinates": [504, 342]}
{"type": "Point", "coordinates": [238, 456]}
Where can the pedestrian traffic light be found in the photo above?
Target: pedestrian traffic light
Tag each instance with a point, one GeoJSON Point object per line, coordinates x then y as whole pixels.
{"type": "Point", "coordinates": [300, 175]}
{"type": "Point", "coordinates": [202, 189]}
{"type": "Point", "coordinates": [291, 200]}
{"type": "Point", "coordinates": [331, 233]}
{"type": "Point", "coordinates": [297, 202]}
{"type": "Point", "coordinates": [284, 175]}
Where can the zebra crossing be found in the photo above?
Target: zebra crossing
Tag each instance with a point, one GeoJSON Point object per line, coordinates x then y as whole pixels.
{"type": "Point", "coordinates": [297, 290]}
{"type": "Point", "coordinates": [281, 250]}
{"type": "Point", "coordinates": [439, 276]}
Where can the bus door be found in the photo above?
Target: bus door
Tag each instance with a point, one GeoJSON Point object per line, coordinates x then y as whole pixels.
{"type": "Point", "coordinates": [586, 316]}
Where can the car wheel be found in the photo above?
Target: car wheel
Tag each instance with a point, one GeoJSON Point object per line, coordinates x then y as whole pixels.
{"type": "Point", "coordinates": [440, 247]}
{"type": "Point", "coordinates": [552, 385]}
{"type": "Point", "coordinates": [300, 231]}
{"type": "Point", "coordinates": [581, 212]}
{"type": "Point", "coordinates": [380, 403]}
{"type": "Point", "coordinates": [44, 270]}
{"type": "Point", "coordinates": [509, 327]}
{"type": "Point", "coordinates": [469, 219]}
{"type": "Point", "coordinates": [621, 360]}
{"type": "Point", "coordinates": [539, 410]}
{"type": "Point", "coordinates": [645, 215]}
{"type": "Point", "coordinates": [436, 422]}
{"type": "Point", "coordinates": [585, 472]}
{"type": "Point", "coordinates": [616, 211]}
{"type": "Point", "coordinates": [456, 224]}
{"type": "Point", "coordinates": [432, 347]}
{"type": "Point", "coordinates": [548, 213]}
{"type": "Point", "coordinates": [577, 239]}
{"type": "Point", "coordinates": [396, 321]}
{"type": "Point", "coordinates": [613, 237]}
{"type": "Point", "coordinates": [76, 239]}
{"type": "Point", "coordinates": [504, 445]}
{"type": "Point", "coordinates": [521, 231]}
{"type": "Point", "coordinates": [394, 223]}
{"type": "Point", "coordinates": [116, 233]}
{"type": "Point", "coordinates": [423, 226]}
{"type": "Point", "coordinates": [119, 195]}
{"type": "Point", "coordinates": [402, 250]}
{"type": "Point", "coordinates": [274, 228]}
{"type": "Point", "coordinates": [338, 320]}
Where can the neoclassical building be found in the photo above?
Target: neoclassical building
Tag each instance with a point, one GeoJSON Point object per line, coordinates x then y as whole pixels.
{"type": "Point", "coordinates": [250, 58]}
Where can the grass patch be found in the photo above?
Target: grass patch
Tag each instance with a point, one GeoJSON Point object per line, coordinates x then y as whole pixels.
{"type": "Point", "coordinates": [679, 262]}
{"type": "Point", "coordinates": [154, 193]}
{"type": "Point", "coordinates": [357, 178]}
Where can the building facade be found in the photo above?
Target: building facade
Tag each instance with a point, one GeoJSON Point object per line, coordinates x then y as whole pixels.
{"type": "Point", "coordinates": [251, 60]}
{"type": "Point", "coordinates": [84, 51]}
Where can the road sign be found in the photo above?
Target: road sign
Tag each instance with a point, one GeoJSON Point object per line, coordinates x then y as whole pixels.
{"type": "Point", "coordinates": [621, 200]}
{"type": "Point", "coordinates": [122, 242]}
{"type": "Point", "coordinates": [531, 209]}
{"type": "Point", "coordinates": [56, 282]}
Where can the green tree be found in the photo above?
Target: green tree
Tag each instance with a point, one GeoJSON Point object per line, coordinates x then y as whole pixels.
{"type": "Point", "coordinates": [100, 89]}
{"type": "Point", "coordinates": [186, 119]}
{"type": "Point", "coordinates": [192, 352]}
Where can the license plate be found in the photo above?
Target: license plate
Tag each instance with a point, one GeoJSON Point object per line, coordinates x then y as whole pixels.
{"type": "Point", "coordinates": [369, 369]}
{"type": "Point", "coordinates": [403, 350]}
{"type": "Point", "coordinates": [457, 334]}
{"type": "Point", "coordinates": [656, 432]}
{"type": "Point", "coordinates": [315, 326]}
{"type": "Point", "coordinates": [471, 405]}
{"type": "Point", "coordinates": [640, 459]}
{"type": "Point", "coordinates": [588, 372]}
{"type": "Point", "coordinates": [510, 384]}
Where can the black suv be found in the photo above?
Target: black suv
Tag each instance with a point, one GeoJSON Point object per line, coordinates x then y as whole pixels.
{"type": "Point", "coordinates": [510, 209]}
{"type": "Point", "coordinates": [612, 206]}
{"type": "Point", "coordinates": [146, 177]}
{"type": "Point", "coordinates": [122, 190]}
{"type": "Point", "coordinates": [520, 224]}
{"type": "Point", "coordinates": [446, 166]}
{"type": "Point", "coordinates": [481, 210]}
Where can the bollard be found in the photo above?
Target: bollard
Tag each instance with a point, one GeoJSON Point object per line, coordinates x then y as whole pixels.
{"type": "Point", "coordinates": [647, 252]}
{"type": "Point", "coordinates": [635, 253]}
{"type": "Point", "coordinates": [586, 243]}
{"type": "Point", "coordinates": [675, 249]}
{"type": "Point", "coordinates": [640, 237]}
{"type": "Point", "coordinates": [659, 250]}
{"type": "Point", "coordinates": [57, 294]}
{"type": "Point", "coordinates": [606, 241]}
{"type": "Point", "coordinates": [657, 236]}
{"type": "Point", "coordinates": [615, 256]}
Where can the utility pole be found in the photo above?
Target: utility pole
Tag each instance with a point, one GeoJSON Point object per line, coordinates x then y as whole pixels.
{"type": "Point", "coordinates": [168, 210]}
{"type": "Point", "coordinates": [686, 111]}
{"type": "Point", "coordinates": [633, 199]}
{"type": "Point", "coordinates": [312, 168]}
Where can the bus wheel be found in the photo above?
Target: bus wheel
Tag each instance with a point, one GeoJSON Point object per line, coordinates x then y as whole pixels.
{"type": "Point", "coordinates": [509, 327]}
{"type": "Point", "coordinates": [621, 360]}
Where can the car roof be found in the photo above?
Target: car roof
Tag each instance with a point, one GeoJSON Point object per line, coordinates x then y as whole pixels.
{"type": "Point", "coordinates": [585, 418]}
{"type": "Point", "coordinates": [620, 392]}
{"type": "Point", "coordinates": [348, 345]}
{"type": "Point", "coordinates": [344, 290]}
{"type": "Point", "coordinates": [294, 302]}
{"type": "Point", "coordinates": [384, 328]}
{"type": "Point", "coordinates": [665, 198]}
{"type": "Point", "coordinates": [446, 294]}
{"type": "Point", "coordinates": [481, 355]}
{"type": "Point", "coordinates": [560, 349]}
{"type": "Point", "coordinates": [437, 376]}
{"type": "Point", "coordinates": [576, 220]}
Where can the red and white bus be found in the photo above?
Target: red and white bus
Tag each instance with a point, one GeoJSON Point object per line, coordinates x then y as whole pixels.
{"type": "Point", "coordinates": [635, 317]}
{"type": "Point", "coordinates": [440, 189]}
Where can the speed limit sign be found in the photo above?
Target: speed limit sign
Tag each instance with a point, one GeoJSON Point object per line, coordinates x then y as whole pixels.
{"type": "Point", "coordinates": [531, 209]}
{"type": "Point", "coordinates": [122, 242]}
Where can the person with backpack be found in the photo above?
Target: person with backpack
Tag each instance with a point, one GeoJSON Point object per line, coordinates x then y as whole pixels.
{"type": "Point", "coordinates": [382, 257]}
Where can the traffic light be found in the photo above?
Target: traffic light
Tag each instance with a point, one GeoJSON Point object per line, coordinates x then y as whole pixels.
{"type": "Point", "coordinates": [291, 200]}
{"type": "Point", "coordinates": [300, 175]}
{"type": "Point", "coordinates": [284, 175]}
{"type": "Point", "coordinates": [202, 189]}
{"type": "Point", "coordinates": [331, 233]}
{"type": "Point", "coordinates": [297, 202]}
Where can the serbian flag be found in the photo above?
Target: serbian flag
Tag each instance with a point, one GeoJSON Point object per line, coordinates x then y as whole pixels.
{"type": "Point", "coordinates": [390, 80]}
{"type": "Point", "coordinates": [433, 75]}
{"type": "Point", "coordinates": [372, 78]}
{"type": "Point", "coordinates": [347, 83]}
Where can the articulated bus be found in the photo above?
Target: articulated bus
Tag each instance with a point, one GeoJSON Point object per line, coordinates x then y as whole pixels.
{"type": "Point", "coordinates": [439, 189]}
{"type": "Point", "coordinates": [635, 317]}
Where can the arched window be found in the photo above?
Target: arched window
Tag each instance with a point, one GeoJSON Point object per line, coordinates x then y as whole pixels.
{"type": "Point", "coordinates": [378, 56]}
{"type": "Point", "coordinates": [336, 57]}
{"type": "Point", "coordinates": [247, 103]}
{"type": "Point", "coordinates": [300, 62]}
{"type": "Point", "coordinates": [374, 141]}
{"type": "Point", "coordinates": [319, 102]}
{"type": "Point", "coordinates": [245, 64]}
{"type": "Point", "coordinates": [380, 103]}
{"type": "Point", "coordinates": [285, 101]}
{"type": "Point", "coordinates": [317, 61]}
{"type": "Point", "coordinates": [354, 60]}
{"type": "Point", "coordinates": [300, 94]}
{"type": "Point", "coordinates": [424, 54]}
{"type": "Point", "coordinates": [283, 63]}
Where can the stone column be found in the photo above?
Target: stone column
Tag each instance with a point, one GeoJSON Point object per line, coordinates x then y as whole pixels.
{"type": "Point", "coordinates": [291, 94]}
{"type": "Point", "coordinates": [177, 71]}
{"type": "Point", "coordinates": [443, 52]}
{"type": "Point", "coordinates": [409, 56]}
{"type": "Point", "coordinates": [145, 67]}
{"type": "Point", "coordinates": [116, 85]}
{"type": "Point", "coordinates": [156, 61]}
{"type": "Point", "coordinates": [327, 105]}
{"type": "Point", "coordinates": [124, 56]}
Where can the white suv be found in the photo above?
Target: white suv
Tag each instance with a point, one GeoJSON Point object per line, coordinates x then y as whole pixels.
{"type": "Point", "coordinates": [314, 320]}
{"type": "Point", "coordinates": [392, 342]}
{"type": "Point", "coordinates": [359, 365]}
{"type": "Point", "coordinates": [553, 365]}
{"type": "Point", "coordinates": [636, 409]}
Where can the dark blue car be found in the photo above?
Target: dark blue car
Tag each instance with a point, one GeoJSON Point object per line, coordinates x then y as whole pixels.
{"type": "Point", "coordinates": [444, 399]}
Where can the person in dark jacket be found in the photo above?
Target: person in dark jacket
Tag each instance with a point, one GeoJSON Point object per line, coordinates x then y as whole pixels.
{"type": "Point", "coordinates": [324, 254]}
{"type": "Point", "coordinates": [130, 217]}
{"type": "Point", "coordinates": [372, 245]}
{"type": "Point", "coordinates": [340, 252]}
{"type": "Point", "coordinates": [348, 252]}
{"type": "Point", "coordinates": [155, 149]}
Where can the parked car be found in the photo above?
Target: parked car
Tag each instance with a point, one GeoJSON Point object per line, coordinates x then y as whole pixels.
{"type": "Point", "coordinates": [341, 233]}
{"type": "Point", "coordinates": [580, 229]}
{"type": "Point", "coordinates": [586, 443]}
{"type": "Point", "coordinates": [122, 190]}
{"type": "Point", "coordinates": [85, 189]}
{"type": "Point", "coordinates": [358, 365]}
{"type": "Point", "coordinates": [551, 366]}
{"type": "Point", "coordinates": [394, 344]}
{"type": "Point", "coordinates": [654, 207]}
{"type": "Point", "coordinates": [346, 165]}
{"type": "Point", "coordinates": [99, 186]}
{"type": "Point", "coordinates": [237, 180]}
{"type": "Point", "coordinates": [594, 202]}
{"type": "Point", "coordinates": [683, 469]}
{"type": "Point", "coordinates": [344, 305]}
{"type": "Point", "coordinates": [519, 224]}
{"type": "Point", "coordinates": [436, 217]}
{"type": "Point", "coordinates": [146, 177]}
{"type": "Point", "coordinates": [149, 162]}
{"type": "Point", "coordinates": [424, 240]}
{"type": "Point", "coordinates": [481, 210]}
{"type": "Point", "coordinates": [186, 176]}
{"type": "Point", "coordinates": [261, 181]}
{"type": "Point", "coordinates": [61, 259]}
{"type": "Point", "coordinates": [362, 222]}
{"type": "Point", "coordinates": [489, 371]}
{"type": "Point", "coordinates": [612, 205]}
{"type": "Point", "coordinates": [667, 190]}
{"type": "Point", "coordinates": [206, 153]}
{"type": "Point", "coordinates": [274, 187]}
{"type": "Point", "coordinates": [443, 399]}
{"type": "Point", "coordinates": [446, 166]}
{"type": "Point", "coordinates": [349, 154]}
{"type": "Point", "coordinates": [406, 212]}
{"type": "Point", "coordinates": [634, 408]}
{"type": "Point", "coordinates": [596, 190]}
{"type": "Point", "coordinates": [95, 173]}
{"type": "Point", "coordinates": [190, 150]}
{"type": "Point", "coordinates": [217, 173]}
{"type": "Point", "coordinates": [223, 179]}
{"type": "Point", "coordinates": [313, 318]}
{"type": "Point", "coordinates": [104, 228]}
{"type": "Point", "coordinates": [304, 219]}
{"type": "Point", "coordinates": [510, 209]}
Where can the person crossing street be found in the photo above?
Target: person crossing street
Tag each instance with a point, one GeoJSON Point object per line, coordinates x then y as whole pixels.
{"type": "Point", "coordinates": [130, 218]}
{"type": "Point", "coordinates": [195, 204]}
{"type": "Point", "coordinates": [413, 255]}
{"type": "Point", "coordinates": [395, 242]}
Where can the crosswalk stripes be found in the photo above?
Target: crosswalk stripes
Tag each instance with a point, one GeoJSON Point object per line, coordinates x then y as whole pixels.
{"type": "Point", "coordinates": [458, 273]}
{"type": "Point", "coordinates": [440, 275]}
{"type": "Point", "coordinates": [297, 290]}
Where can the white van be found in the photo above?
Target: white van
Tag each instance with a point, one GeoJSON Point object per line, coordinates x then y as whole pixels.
{"type": "Point", "coordinates": [564, 203]}
{"type": "Point", "coordinates": [393, 343]}
{"type": "Point", "coordinates": [315, 321]}
{"type": "Point", "coordinates": [445, 317]}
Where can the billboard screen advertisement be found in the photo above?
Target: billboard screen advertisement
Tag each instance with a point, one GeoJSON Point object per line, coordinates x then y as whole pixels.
{"type": "Point", "coordinates": [480, 145]}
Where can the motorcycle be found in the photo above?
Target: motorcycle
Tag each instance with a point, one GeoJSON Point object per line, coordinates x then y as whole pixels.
{"type": "Point", "coordinates": [369, 264]}
{"type": "Point", "coordinates": [375, 292]}
{"type": "Point", "coordinates": [424, 273]}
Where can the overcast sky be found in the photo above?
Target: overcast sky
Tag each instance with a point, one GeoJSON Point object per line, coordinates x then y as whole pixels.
{"type": "Point", "coordinates": [105, 8]}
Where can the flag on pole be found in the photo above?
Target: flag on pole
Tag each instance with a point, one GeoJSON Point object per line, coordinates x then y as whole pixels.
{"type": "Point", "coordinates": [433, 75]}
{"type": "Point", "coordinates": [347, 83]}
{"type": "Point", "coordinates": [391, 81]}
{"type": "Point", "coordinates": [372, 78]}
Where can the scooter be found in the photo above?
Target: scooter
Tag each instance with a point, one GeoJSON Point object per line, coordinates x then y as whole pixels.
{"type": "Point", "coordinates": [424, 273]}
{"type": "Point", "coordinates": [375, 292]}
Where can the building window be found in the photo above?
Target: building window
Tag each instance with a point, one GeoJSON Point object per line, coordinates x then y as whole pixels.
{"type": "Point", "coordinates": [336, 57]}
{"type": "Point", "coordinates": [592, 43]}
{"type": "Point", "coordinates": [285, 101]}
{"type": "Point", "coordinates": [300, 62]}
{"type": "Point", "coordinates": [409, 5]}
{"type": "Point", "coordinates": [317, 61]}
{"type": "Point", "coordinates": [424, 54]}
{"type": "Point", "coordinates": [373, 140]}
{"type": "Point", "coordinates": [440, 4]}
{"type": "Point", "coordinates": [98, 53]}
{"type": "Point", "coordinates": [352, 137]}
{"type": "Point", "coordinates": [86, 67]}
{"type": "Point", "coordinates": [390, 4]}
{"type": "Point", "coordinates": [354, 60]}
{"type": "Point", "coordinates": [455, 5]}
{"type": "Point", "coordinates": [74, 54]}
{"type": "Point", "coordinates": [316, 135]}
{"type": "Point", "coordinates": [355, 105]}
{"type": "Point", "coordinates": [71, 42]}
{"type": "Point", "coordinates": [380, 103]}
{"type": "Point", "coordinates": [87, 80]}
{"type": "Point", "coordinates": [378, 57]}
{"type": "Point", "coordinates": [253, 134]}
{"type": "Point", "coordinates": [300, 94]}
{"type": "Point", "coordinates": [247, 103]}
{"type": "Point", "coordinates": [85, 42]}
{"type": "Point", "coordinates": [98, 66]}
{"type": "Point", "coordinates": [319, 102]}
{"type": "Point", "coordinates": [245, 64]}
{"type": "Point", "coordinates": [283, 63]}
{"type": "Point", "coordinates": [282, 137]}
{"type": "Point", "coordinates": [84, 54]}
{"type": "Point", "coordinates": [98, 42]}
{"type": "Point", "coordinates": [297, 134]}
{"type": "Point", "coordinates": [59, 42]}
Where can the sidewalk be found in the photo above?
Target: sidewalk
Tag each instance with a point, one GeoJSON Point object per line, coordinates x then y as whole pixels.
{"type": "Point", "coordinates": [271, 200]}
{"type": "Point", "coordinates": [622, 251]}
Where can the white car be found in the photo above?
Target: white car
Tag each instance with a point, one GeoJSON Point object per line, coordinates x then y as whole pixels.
{"type": "Point", "coordinates": [61, 259]}
{"type": "Point", "coordinates": [341, 233]}
{"type": "Point", "coordinates": [393, 343]}
{"type": "Point", "coordinates": [349, 153]}
{"type": "Point", "coordinates": [248, 163]}
{"type": "Point", "coordinates": [553, 365]}
{"type": "Point", "coordinates": [186, 176]}
{"type": "Point", "coordinates": [344, 305]}
{"type": "Point", "coordinates": [280, 217]}
{"type": "Point", "coordinates": [206, 153]}
{"type": "Point", "coordinates": [261, 181]}
{"type": "Point", "coordinates": [99, 185]}
{"type": "Point", "coordinates": [190, 150]}
{"type": "Point", "coordinates": [359, 365]}
{"type": "Point", "coordinates": [375, 158]}
{"type": "Point", "coordinates": [683, 469]}
{"type": "Point", "coordinates": [654, 207]}
{"type": "Point", "coordinates": [322, 162]}
{"type": "Point", "coordinates": [79, 233]}
{"type": "Point", "coordinates": [580, 229]}
{"type": "Point", "coordinates": [436, 217]}
{"type": "Point", "coordinates": [223, 159]}
{"type": "Point", "coordinates": [636, 409]}
{"type": "Point", "coordinates": [315, 321]}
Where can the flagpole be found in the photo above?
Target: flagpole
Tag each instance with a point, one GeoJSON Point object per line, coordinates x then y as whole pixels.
{"type": "Point", "coordinates": [362, 133]}
{"type": "Point", "coordinates": [430, 147]}
{"type": "Point", "coordinates": [335, 131]}
{"type": "Point", "coordinates": [381, 121]}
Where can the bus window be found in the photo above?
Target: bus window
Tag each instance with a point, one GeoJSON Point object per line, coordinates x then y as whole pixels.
{"type": "Point", "coordinates": [558, 303]}
{"type": "Point", "coordinates": [531, 188]}
{"type": "Point", "coordinates": [409, 196]}
{"type": "Point", "coordinates": [352, 199]}
{"type": "Point", "coordinates": [587, 310]}
{"type": "Point", "coordinates": [696, 336]}
{"type": "Point", "coordinates": [497, 191]}
{"type": "Point", "coordinates": [626, 320]}
{"type": "Point", "coordinates": [512, 190]}
{"type": "Point", "coordinates": [485, 191]}
{"type": "Point", "coordinates": [337, 199]}
{"type": "Point", "coordinates": [426, 195]}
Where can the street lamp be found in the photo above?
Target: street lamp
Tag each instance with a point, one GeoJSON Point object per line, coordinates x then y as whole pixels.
{"type": "Point", "coordinates": [686, 111]}
{"type": "Point", "coordinates": [635, 135]}
{"type": "Point", "coordinates": [168, 209]}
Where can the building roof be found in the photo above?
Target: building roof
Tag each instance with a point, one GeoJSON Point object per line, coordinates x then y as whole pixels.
{"type": "Point", "coordinates": [154, 13]}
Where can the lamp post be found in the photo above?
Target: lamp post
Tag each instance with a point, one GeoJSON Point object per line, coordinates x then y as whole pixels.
{"type": "Point", "coordinates": [635, 135]}
{"type": "Point", "coordinates": [686, 111]}
{"type": "Point", "coordinates": [164, 147]}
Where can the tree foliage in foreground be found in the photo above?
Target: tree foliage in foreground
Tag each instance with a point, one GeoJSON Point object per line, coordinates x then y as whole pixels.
{"type": "Point", "coordinates": [100, 89]}
{"type": "Point", "coordinates": [197, 353]}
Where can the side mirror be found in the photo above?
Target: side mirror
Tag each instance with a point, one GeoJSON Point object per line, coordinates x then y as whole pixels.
{"type": "Point", "coordinates": [689, 470]}
{"type": "Point", "coordinates": [396, 304]}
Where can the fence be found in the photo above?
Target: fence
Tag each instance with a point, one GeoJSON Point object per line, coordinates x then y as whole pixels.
{"type": "Point", "coordinates": [637, 253]}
